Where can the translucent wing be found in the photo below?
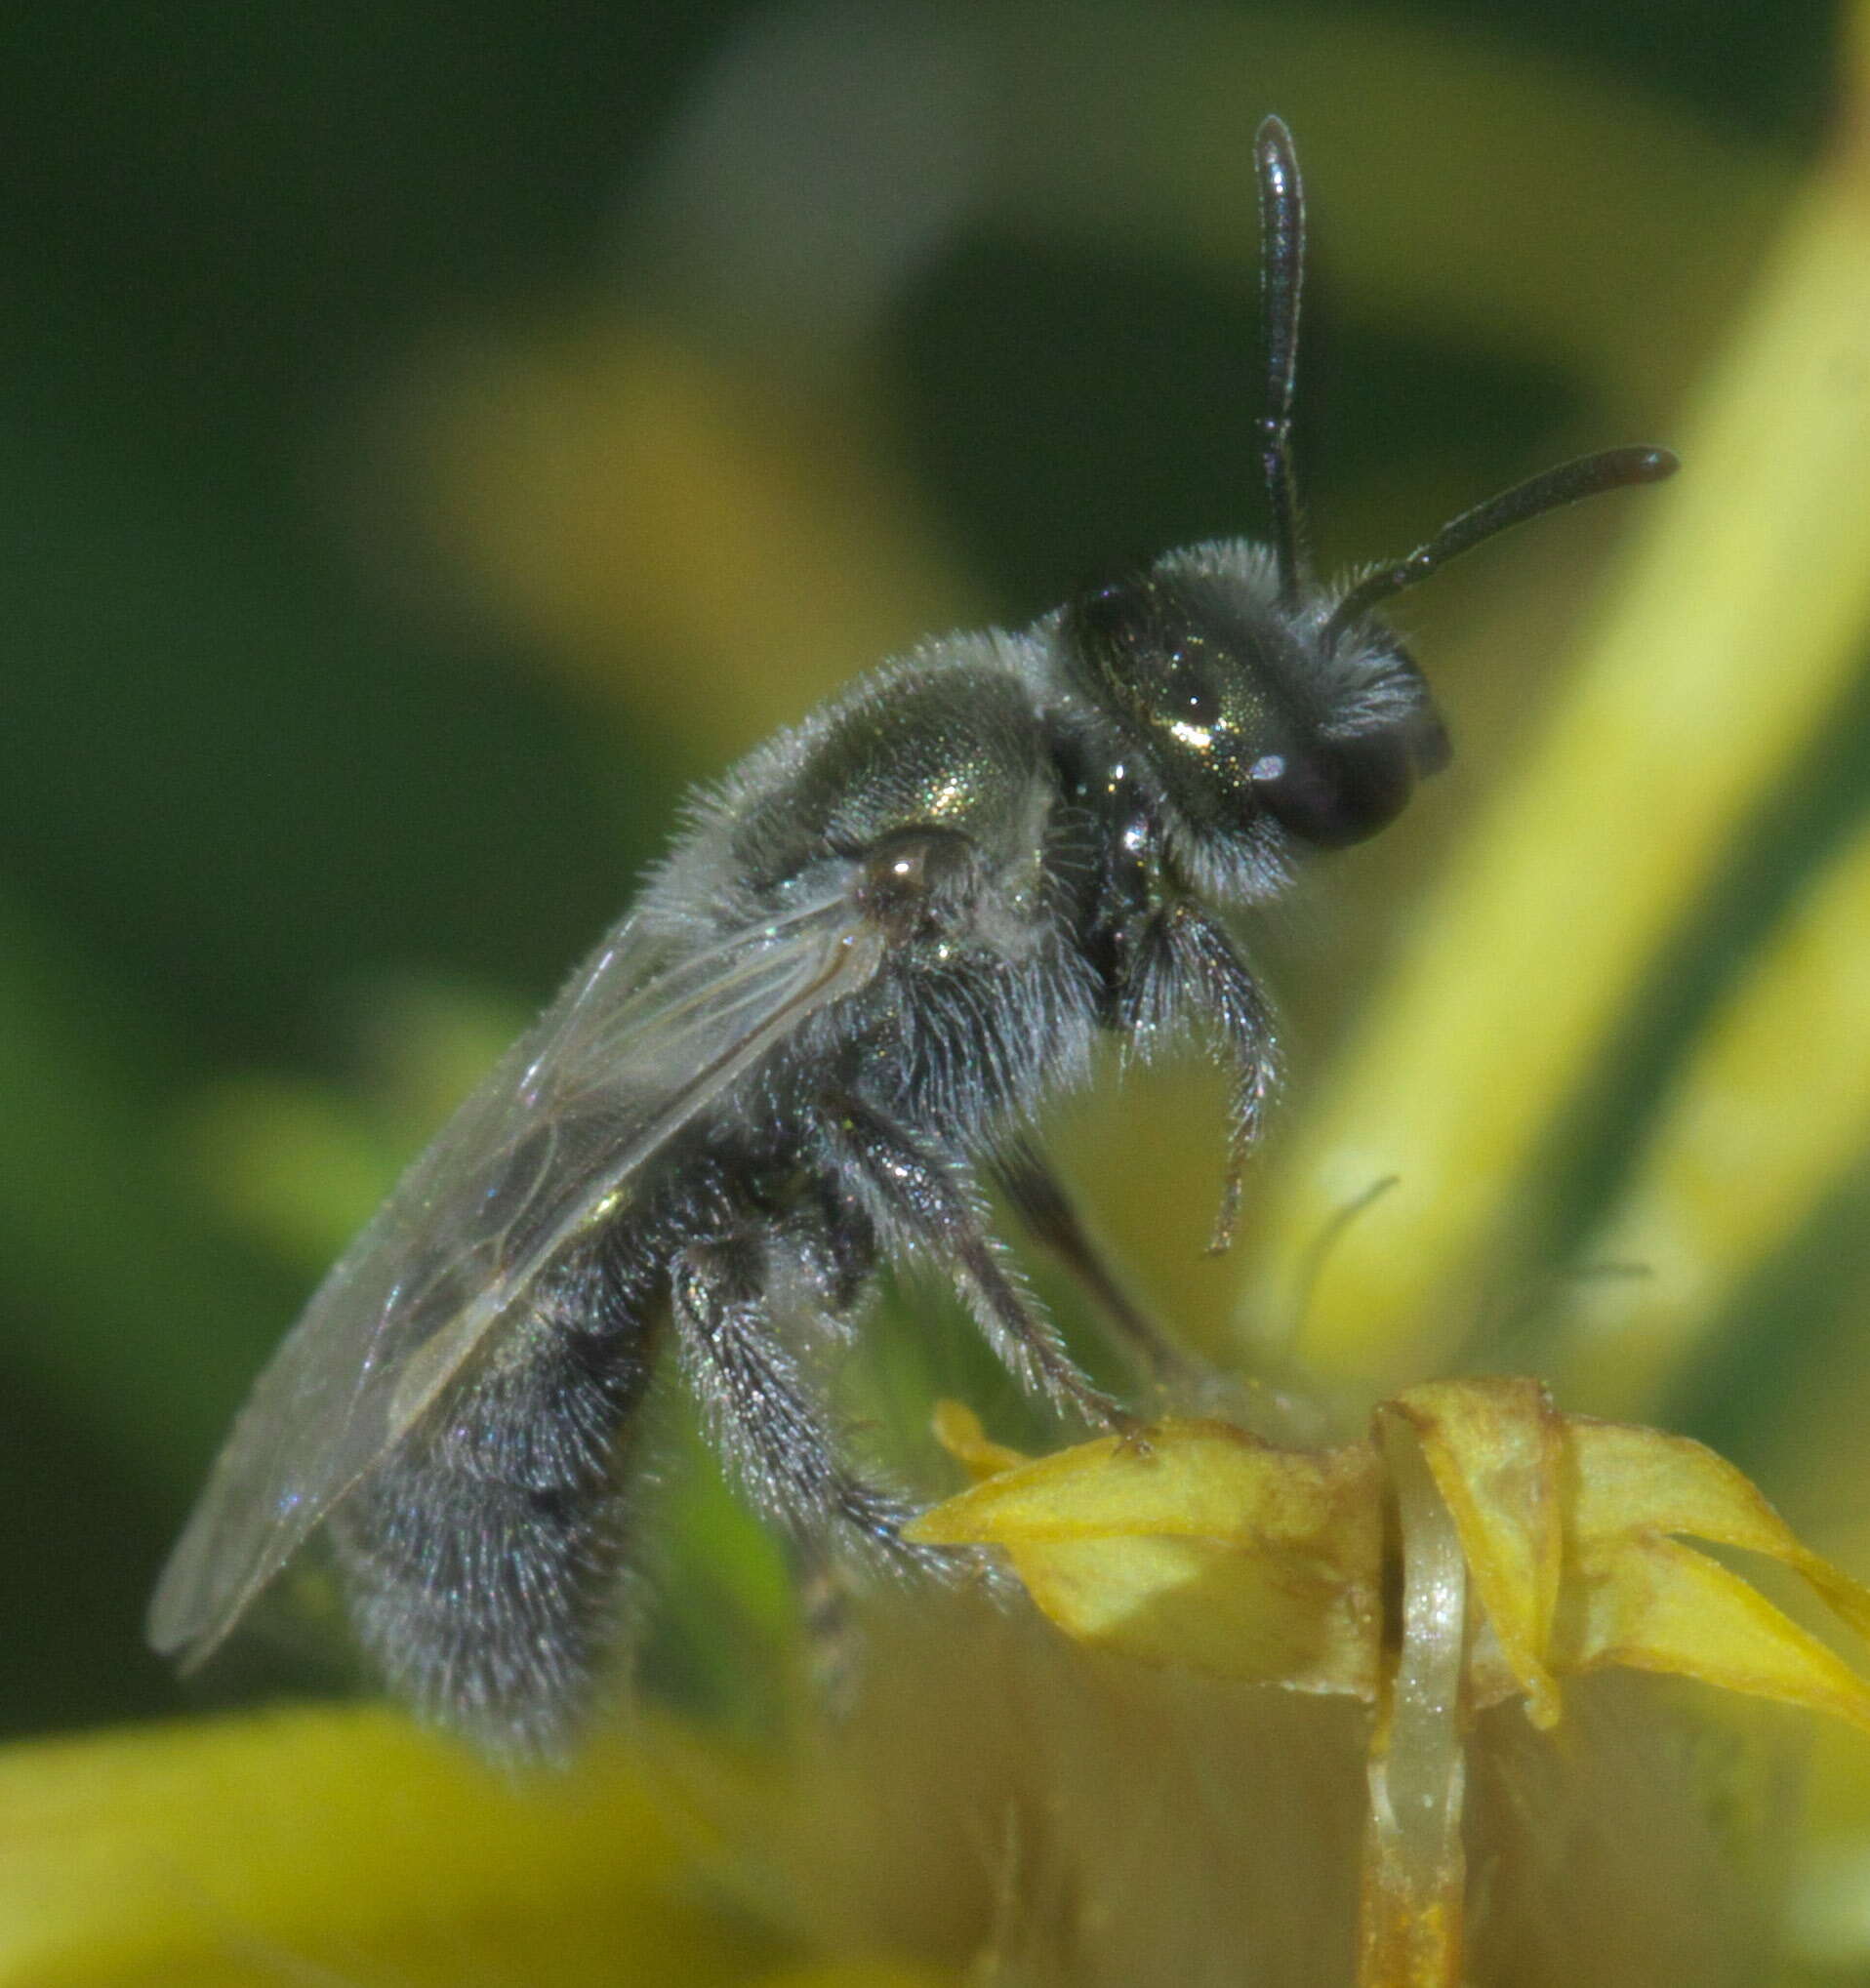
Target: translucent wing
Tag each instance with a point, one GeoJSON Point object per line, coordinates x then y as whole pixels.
{"type": "Point", "coordinates": [641, 1040]}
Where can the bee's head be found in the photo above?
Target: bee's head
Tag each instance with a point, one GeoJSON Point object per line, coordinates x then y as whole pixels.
{"type": "Point", "coordinates": [1272, 709]}
{"type": "Point", "coordinates": [1250, 717]}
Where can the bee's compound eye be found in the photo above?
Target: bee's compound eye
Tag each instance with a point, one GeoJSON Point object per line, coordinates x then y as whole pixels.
{"type": "Point", "coordinates": [1336, 794]}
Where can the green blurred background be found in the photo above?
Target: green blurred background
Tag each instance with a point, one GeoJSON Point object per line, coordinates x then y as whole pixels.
{"type": "Point", "coordinates": [435, 435]}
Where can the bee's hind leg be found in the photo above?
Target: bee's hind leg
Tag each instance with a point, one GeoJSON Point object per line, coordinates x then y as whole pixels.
{"type": "Point", "coordinates": [763, 1414]}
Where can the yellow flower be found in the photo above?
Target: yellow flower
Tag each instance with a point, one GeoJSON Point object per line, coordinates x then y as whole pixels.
{"type": "Point", "coordinates": [1525, 1547]}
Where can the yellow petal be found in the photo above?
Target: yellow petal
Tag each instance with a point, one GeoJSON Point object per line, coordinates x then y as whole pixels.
{"type": "Point", "coordinates": [959, 1430]}
{"type": "Point", "coordinates": [343, 1845]}
{"type": "Point", "coordinates": [1656, 1605]}
{"type": "Point", "coordinates": [1625, 1480]}
{"type": "Point", "coordinates": [1200, 1545]}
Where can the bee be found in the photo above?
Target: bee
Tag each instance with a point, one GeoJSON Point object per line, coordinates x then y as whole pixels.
{"type": "Point", "coordinates": [880, 944]}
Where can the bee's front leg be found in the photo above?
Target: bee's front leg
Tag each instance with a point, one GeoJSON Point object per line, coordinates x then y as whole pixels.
{"type": "Point", "coordinates": [1183, 967]}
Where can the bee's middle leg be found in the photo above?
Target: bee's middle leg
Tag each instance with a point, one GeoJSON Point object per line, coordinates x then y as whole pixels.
{"type": "Point", "coordinates": [926, 1205]}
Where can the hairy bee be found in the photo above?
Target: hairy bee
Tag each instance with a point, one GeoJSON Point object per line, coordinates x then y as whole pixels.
{"type": "Point", "coordinates": [880, 942]}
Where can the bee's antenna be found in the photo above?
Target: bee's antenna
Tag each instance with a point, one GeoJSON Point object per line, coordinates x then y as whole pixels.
{"type": "Point", "coordinates": [1281, 275]}
{"type": "Point", "coordinates": [1608, 469]}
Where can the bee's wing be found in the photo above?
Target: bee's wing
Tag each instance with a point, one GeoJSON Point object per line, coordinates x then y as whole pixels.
{"type": "Point", "coordinates": [545, 1148]}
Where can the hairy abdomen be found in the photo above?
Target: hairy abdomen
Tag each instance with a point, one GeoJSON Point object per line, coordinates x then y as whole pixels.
{"type": "Point", "coordinates": [481, 1556]}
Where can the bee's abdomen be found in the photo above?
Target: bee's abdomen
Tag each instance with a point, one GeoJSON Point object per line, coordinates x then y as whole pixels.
{"type": "Point", "coordinates": [482, 1555]}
